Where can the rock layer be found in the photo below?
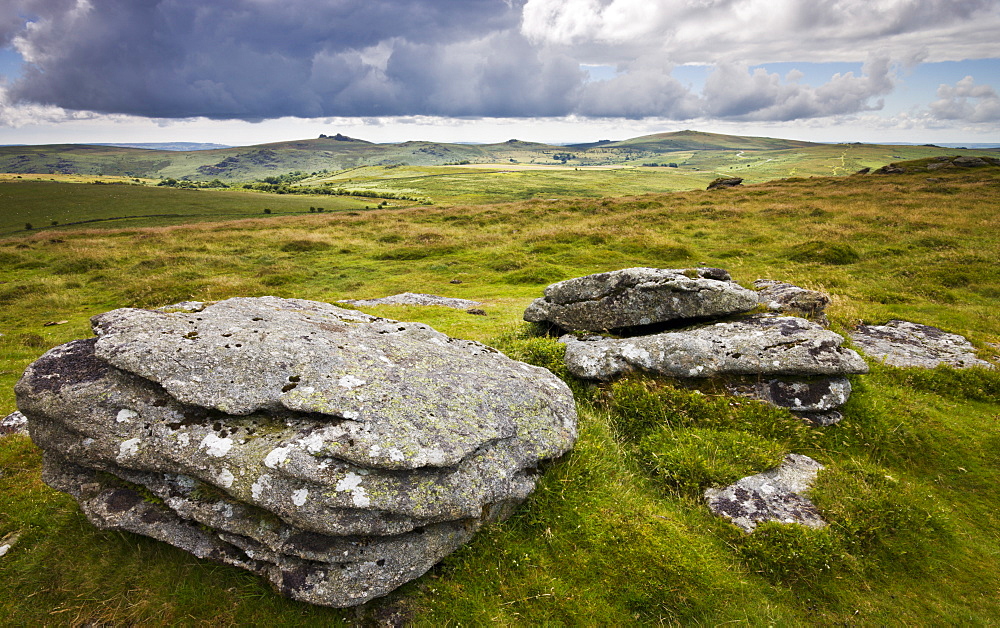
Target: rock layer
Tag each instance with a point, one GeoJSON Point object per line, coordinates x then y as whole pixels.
{"type": "Point", "coordinates": [635, 297]}
{"type": "Point", "coordinates": [905, 344]}
{"type": "Point", "coordinates": [337, 454]}
{"type": "Point", "coordinates": [760, 345]}
{"type": "Point", "coordinates": [776, 495]}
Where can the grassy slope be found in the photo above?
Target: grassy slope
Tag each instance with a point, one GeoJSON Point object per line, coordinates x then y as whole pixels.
{"type": "Point", "coordinates": [114, 206]}
{"type": "Point", "coordinates": [615, 532]}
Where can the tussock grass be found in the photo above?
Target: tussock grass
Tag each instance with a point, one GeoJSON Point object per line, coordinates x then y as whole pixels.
{"type": "Point", "coordinates": [616, 532]}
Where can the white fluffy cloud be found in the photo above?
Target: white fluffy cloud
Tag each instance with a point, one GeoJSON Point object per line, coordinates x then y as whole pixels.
{"type": "Point", "coordinates": [967, 102]}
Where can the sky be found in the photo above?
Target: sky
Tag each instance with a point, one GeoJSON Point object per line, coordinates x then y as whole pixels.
{"type": "Point", "coordinates": [242, 72]}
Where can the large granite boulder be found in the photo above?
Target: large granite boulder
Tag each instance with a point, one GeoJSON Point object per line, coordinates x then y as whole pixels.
{"type": "Point", "coordinates": [788, 361]}
{"type": "Point", "coordinates": [776, 495]}
{"type": "Point", "coordinates": [335, 453]}
{"type": "Point", "coordinates": [904, 344]}
{"type": "Point", "coordinates": [635, 297]}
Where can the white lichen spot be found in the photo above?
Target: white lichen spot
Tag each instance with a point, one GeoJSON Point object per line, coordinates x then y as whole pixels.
{"type": "Point", "coordinates": [313, 443]}
{"type": "Point", "coordinates": [352, 482]}
{"type": "Point", "coordinates": [374, 451]}
{"type": "Point", "coordinates": [277, 457]}
{"type": "Point", "coordinates": [226, 478]}
{"type": "Point", "coordinates": [88, 442]}
{"type": "Point", "coordinates": [125, 415]}
{"type": "Point", "coordinates": [396, 455]}
{"type": "Point", "coordinates": [262, 484]}
{"type": "Point", "coordinates": [433, 456]}
{"type": "Point", "coordinates": [183, 439]}
{"type": "Point", "coordinates": [385, 359]}
{"type": "Point", "coordinates": [215, 446]}
{"type": "Point", "coordinates": [349, 415]}
{"type": "Point", "coordinates": [300, 496]}
{"type": "Point", "coordinates": [350, 382]}
{"type": "Point", "coordinates": [128, 448]}
{"type": "Point", "coordinates": [305, 390]}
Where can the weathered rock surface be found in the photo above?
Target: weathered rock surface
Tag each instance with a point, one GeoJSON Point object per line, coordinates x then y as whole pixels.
{"type": "Point", "coordinates": [14, 423]}
{"type": "Point", "coordinates": [905, 344]}
{"type": "Point", "coordinates": [412, 298]}
{"type": "Point", "coordinates": [635, 297]}
{"type": "Point", "coordinates": [759, 345]}
{"type": "Point", "coordinates": [776, 495]}
{"type": "Point", "coordinates": [778, 296]}
{"type": "Point", "coordinates": [335, 453]}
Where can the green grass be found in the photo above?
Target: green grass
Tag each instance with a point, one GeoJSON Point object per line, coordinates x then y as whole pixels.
{"type": "Point", "coordinates": [114, 206]}
{"type": "Point", "coordinates": [616, 532]}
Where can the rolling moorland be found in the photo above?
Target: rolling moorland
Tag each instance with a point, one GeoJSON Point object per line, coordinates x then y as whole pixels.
{"type": "Point", "coordinates": [616, 531]}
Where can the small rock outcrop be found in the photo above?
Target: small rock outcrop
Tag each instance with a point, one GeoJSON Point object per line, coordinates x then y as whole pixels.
{"type": "Point", "coordinates": [413, 298]}
{"type": "Point", "coordinates": [776, 495]}
{"type": "Point", "coordinates": [891, 169]}
{"type": "Point", "coordinates": [778, 296]}
{"type": "Point", "coordinates": [724, 182]}
{"type": "Point", "coordinates": [905, 344]}
{"type": "Point", "coordinates": [635, 297]}
{"type": "Point", "coordinates": [336, 454]}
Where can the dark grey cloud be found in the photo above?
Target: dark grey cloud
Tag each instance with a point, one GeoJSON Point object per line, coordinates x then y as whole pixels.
{"type": "Point", "coordinates": [259, 59]}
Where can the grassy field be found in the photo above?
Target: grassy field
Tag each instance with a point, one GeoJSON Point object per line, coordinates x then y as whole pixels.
{"type": "Point", "coordinates": [73, 202]}
{"type": "Point", "coordinates": [616, 532]}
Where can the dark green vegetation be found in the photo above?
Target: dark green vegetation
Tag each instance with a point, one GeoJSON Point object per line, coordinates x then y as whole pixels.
{"type": "Point", "coordinates": [616, 532]}
{"type": "Point", "coordinates": [114, 206]}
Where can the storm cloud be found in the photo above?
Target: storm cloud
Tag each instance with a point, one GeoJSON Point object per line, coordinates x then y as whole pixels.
{"type": "Point", "coordinates": [260, 59]}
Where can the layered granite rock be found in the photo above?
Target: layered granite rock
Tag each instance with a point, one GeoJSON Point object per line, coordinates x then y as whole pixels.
{"type": "Point", "coordinates": [784, 360]}
{"type": "Point", "coordinates": [335, 453]}
{"type": "Point", "coordinates": [776, 495]}
{"type": "Point", "coordinates": [635, 297]}
{"type": "Point", "coordinates": [905, 344]}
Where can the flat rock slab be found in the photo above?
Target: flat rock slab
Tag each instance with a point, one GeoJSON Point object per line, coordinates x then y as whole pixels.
{"type": "Point", "coordinates": [635, 297]}
{"type": "Point", "coordinates": [763, 344]}
{"type": "Point", "coordinates": [412, 298]}
{"type": "Point", "coordinates": [14, 423]}
{"type": "Point", "coordinates": [335, 453]}
{"type": "Point", "coordinates": [904, 344]}
{"type": "Point", "coordinates": [776, 495]}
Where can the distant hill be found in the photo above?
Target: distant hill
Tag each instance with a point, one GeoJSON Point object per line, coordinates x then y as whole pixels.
{"type": "Point", "coordinates": [696, 140]}
{"type": "Point", "coordinates": [166, 145]}
{"type": "Point", "coordinates": [761, 157]}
